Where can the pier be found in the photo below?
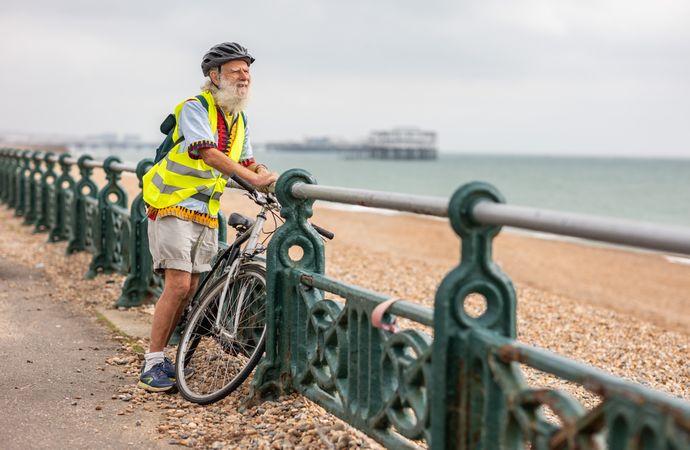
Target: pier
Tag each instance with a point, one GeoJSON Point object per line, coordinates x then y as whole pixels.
{"type": "Point", "coordinates": [403, 143]}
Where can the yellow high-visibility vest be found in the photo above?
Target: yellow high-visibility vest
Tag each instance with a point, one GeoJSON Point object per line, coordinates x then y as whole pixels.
{"type": "Point", "coordinates": [178, 177]}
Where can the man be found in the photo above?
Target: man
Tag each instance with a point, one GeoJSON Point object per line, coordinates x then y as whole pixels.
{"type": "Point", "coordinates": [183, 192]}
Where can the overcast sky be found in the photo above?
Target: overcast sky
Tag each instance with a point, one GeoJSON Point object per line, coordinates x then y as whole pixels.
{"type": "Point", "coordinates": [535, 76]}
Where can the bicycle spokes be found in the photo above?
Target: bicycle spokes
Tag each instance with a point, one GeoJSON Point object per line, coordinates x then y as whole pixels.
{"type": "Point", "coordinates": [225, 336]}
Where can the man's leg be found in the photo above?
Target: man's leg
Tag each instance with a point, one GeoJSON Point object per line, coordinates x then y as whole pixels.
{"type": "Point", "coordinates": [194, 282]}
{"type": "Point", "coordinates": [155, 376]}
{"type": "Point", "coordinates": [173, 299]}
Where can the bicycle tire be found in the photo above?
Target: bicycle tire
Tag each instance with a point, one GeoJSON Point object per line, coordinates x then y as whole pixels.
{"type": "Point", "coordinates": [222, 362]}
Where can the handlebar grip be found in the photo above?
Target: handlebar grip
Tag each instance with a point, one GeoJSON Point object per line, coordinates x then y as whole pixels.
{"type": "Point", "coordinates": [323, 232]}
{"type": "Point", "coordinates": [242, 182]}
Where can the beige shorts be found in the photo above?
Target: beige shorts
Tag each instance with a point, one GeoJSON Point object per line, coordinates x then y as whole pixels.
{"type": "Point", "coordinates": [181, 244]}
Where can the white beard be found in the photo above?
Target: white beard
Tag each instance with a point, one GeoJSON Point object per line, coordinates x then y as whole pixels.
{"type": "Point", "coordinates": [227, 95]}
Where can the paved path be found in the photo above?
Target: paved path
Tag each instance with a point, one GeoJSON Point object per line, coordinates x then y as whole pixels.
{"type": "Point", "coordinates": [52, 394]}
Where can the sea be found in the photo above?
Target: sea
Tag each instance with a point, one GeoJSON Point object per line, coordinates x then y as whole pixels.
{"type": "Point", "coordinates": [643, 189]}
{"type": "Point", "coordinates": [651, 190]}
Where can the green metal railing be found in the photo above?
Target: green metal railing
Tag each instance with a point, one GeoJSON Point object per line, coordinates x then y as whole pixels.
{"type": "Point", "coordinates": [463, 388]}
{"type": "Point", "coordinates": [88, 218]}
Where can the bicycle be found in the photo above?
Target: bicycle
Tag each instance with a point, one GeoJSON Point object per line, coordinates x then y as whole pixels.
{"type": "Point", "coordinates": [224, 337]}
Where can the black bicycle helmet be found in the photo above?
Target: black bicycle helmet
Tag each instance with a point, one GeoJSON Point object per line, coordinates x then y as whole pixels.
{"type": "Point", "coordinates": [222, 53]}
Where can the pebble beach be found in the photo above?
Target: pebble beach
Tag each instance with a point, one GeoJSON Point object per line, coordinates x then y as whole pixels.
{"type": "Point", "coordinates": [625, 312]}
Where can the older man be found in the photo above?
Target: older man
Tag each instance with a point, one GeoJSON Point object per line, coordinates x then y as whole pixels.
{"type": "Point", "coordinates": [183, 192]}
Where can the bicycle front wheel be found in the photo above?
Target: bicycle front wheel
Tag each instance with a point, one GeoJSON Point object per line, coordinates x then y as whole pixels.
{"type": "Point", "coordinates": [224, 338]}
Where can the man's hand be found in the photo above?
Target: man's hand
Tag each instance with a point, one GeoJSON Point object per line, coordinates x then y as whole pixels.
{"type": "Point", "coordinates": [220, 162]}
{"type": "Point", "coordinates": [264, 178]}
{"type": "Point", "coordinates": [259, 168]}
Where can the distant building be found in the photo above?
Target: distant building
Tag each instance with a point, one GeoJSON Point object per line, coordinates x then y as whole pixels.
{"type": "Point", "coordinates": [398, 143]}
{"type": "Point", "coordinates": [315, 144]}
{"type": "Point", "coordinates": [401, 143]}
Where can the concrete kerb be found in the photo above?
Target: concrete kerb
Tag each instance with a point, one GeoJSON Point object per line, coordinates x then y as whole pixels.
{"type": "Point", "coordinates": [129, 322]}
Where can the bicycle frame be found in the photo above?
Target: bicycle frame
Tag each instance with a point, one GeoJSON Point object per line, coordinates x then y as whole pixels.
{"type": "Point", "coordinates": [251, 249]}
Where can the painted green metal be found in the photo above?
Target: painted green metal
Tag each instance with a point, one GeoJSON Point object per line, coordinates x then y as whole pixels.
{"type": "Point", "coordinates": [463, 381]}
{"type": "Point", "coordinates": [32, 189]}
{"type": "Point", "coordinates": [140, 276]}
{"type": "Point", "coordinates": [463, 388]}
{"type": "Point", "coordinates": [64, 192]}
{"type": "Point", "coordinates": [89, 218]}
{"type": "Point", "coordinates": [6, 164]}
{"type": "Point", "coordinates": [22, 183]}
{"type": "Point", "coordinates": [111, 227]}
{"type": "Point", "coordinates": [15, 176]}
{"type": "Point", "coordinates": [84, 189]}
{"type": "Point", "coordinates": [43, 200]}
{"type": "Point", "coordinates": [328, 351]}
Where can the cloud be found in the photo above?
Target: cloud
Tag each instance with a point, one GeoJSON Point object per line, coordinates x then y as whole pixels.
{"type": "Point", "coordinates": [550, 76]}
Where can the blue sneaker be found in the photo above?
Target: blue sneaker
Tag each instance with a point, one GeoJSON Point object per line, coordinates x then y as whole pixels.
{"type": "Point", "coordinates": [169, 369]}
{"type": "Point", "coordinates": [156, 379]}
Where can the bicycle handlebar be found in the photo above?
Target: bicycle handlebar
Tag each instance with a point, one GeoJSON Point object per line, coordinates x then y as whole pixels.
{"type": "Point", "coordinates": [243, 183]}
{"type": "Point", "coordinates": [323, 232]}
{"type": "Point", "coordinates": [249, 188]}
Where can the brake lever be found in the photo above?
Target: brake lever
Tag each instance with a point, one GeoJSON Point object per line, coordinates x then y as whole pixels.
{"type": "Point", "coordinates": [271, 197]}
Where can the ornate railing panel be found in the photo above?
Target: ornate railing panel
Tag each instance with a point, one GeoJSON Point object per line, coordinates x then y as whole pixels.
{"type": "Point", "coordinates": [141, 280]}
{"type": "Point", "coordinates": [463, 389]}
{"type": "Point", "coordinates": [43, 194]}
{"type": "Point", "coordinates": [88, 218]}
{"type": "Point", "coordinates": [22, 182]}
{"type": "Point", "coordinates": [373, 379]}
{"type": "Point", "coordinates": [84, 189]}
{"type": "Point", "coordinates": [32, 190]}
{"type": "Point", "coordinates": [64, 193]}
{"type": "Point", "coordinates": [628, 416]}
{"type": "Point", "coordinates": [92, 232]}
{"type": "Point", "coordinates": [110, 226]}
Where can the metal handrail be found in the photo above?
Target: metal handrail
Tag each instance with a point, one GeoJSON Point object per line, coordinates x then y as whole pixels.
{"type": "Point", "coordinates": [93, 164]}
{"type": "Point", "coordinates": [648, 236]}
{"type": "Point", "coordinates": [403, 308]}
{"type": "Point", "coordinates": [418, 204]}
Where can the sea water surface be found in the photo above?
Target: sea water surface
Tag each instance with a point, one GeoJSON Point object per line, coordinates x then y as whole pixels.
{"type": "Point", "coordinates": [643, 189]}
{"type": "Point", "coordinates": [651, 190]}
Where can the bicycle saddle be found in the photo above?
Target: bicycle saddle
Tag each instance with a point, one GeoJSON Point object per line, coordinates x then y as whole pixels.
{"type": "Point", "coordinates": [238, 220]}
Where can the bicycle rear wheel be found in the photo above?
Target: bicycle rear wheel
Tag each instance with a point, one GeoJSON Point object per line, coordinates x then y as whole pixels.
{"type": "Point", "coordinates": [220, 345]}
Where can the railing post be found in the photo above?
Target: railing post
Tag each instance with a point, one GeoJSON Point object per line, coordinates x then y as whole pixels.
{"type": "Point", "coordinates": [106, 241]}
{"type": "Point", "coordinates": [78, 225]}
{"type": "Point", "coordinates": [274, 374]}
{"type": "Point", "coordinates": [22, 183]}
{"type": "Point", "coordinates": [64, 187]}
{"type": "Point", "coordinates": [14, 176]}
{"type": "Point", "coordinates": [14, 160]}
{"type": "Point", "coordinates": [222, 228]}
{"type": "Point", "coordinates": [31, 190]}
{"type": "Point", "coordinates": [468, 407]}
{"type": "Point", "coordinates": [136, 286]}
{"type": "Point", "coordinates": [6, 162]}
{"type": "Point", "coordinates": [44, 204]}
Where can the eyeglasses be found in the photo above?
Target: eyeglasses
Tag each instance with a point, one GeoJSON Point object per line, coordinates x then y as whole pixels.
{"type": "Point", "coordinates": [235, 73]}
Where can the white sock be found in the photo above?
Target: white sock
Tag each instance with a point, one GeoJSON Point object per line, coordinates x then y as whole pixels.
{"type": "Point", "coordinates": [153, 358]}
